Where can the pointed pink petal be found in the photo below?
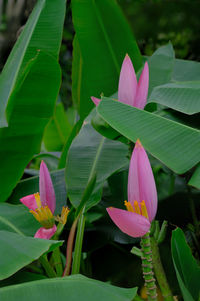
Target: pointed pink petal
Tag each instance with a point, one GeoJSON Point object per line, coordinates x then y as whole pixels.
{"type": "Point", "coordinates": [133, 224]}
{"type": "Point", "coordinates": [45, 233]}
{"type": "Point", "coordinates": [95, 100]}
{"type": "Point", "coordinates": [141, 184]}
{"type": "Point", "coordinates": [127, 82]}
{"type": "Point", "coordinates": [47, 194]}
{"type": "Point", "coordinates": [29, 201]}
{"type": "Point", "coordinates": [142, 88]}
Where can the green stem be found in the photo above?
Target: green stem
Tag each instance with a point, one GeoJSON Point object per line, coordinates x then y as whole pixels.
{"type": "Point", "coordinates": [159, 272]}
{"type": "Point", "coordinates": [57, 262]}
{"type": "Point", "coordinates": [47, 267]}
{"type": "Point", "coordinates": [78, 244]}
{"type": "Point", "coordinates": [70, 243]}
{"type": "Point", "coordinates": [147, 268]}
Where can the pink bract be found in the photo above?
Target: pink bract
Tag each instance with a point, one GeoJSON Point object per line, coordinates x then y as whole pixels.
{"type": "Point", "coordinates": [129, 91]}
{"type": "Point", "coordinates": [141, 187]}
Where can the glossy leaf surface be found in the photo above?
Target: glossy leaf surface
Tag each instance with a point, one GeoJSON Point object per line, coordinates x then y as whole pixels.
{"type": "Point", "coordinates": [103, 38]}
{"type": "Point", "coordinates": [187, 269]}
{"type": "Point", "coordinates": [72, 288]}
{"type": "Point", "coordinates": [176, 145]}
{"type": "Point", "coordinates": [17, 251]}
{"type": "Point", "coordinates": [91, 153]}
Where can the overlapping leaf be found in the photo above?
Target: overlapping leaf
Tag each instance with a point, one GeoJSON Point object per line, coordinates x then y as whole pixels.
{"type": "Point", "coordinates": [103, 37]}
{"type": "Point", "coordinates": [18, 251]}
{"type": "Point", "coordinates": [91, 153]}
{"type": "Point", "coordinates": [187, 269]}
{"type": "Point", "coordinates": [176, 145]}
{"type": "Point", "coordinates": [71, 288]}
{"type": "Point", "coordinates": [43, 31]}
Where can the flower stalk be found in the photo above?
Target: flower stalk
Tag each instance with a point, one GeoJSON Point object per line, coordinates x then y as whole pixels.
{"type": "Point", "coordinates": [159, 271]}
{"type": "Point", "coordinates": [70, 244]}
{"type": "Point", "coordinates": [78, 244]}
{"type": "Point", "coordinates": [47, 267]}
{"type": "Point", "coordinates": [147, 268]}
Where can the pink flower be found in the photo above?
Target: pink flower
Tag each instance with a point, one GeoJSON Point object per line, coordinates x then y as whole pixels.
{"type": "Point", "coordinates": [42, 205]}
{"type": "Point", "coordinates": [142, 197]}
{"type": "Point", "coordinates": [130, 91]}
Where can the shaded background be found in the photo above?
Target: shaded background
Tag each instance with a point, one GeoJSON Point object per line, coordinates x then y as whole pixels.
{"type": "Point", "coordinates": [154, 23]}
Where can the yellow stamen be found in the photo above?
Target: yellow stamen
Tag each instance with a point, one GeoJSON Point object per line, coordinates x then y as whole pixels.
{"type": "Point", "coordinates": [129, 207]}
{"type": "Point", "coordinates": [37, 198]}
{"type": "Point", "coordinates": [144, 209]}
{"type": "Point", "coordinates": [44, 216]}
{"type": "Point", "coordinates": [137, 207]}
{"type": "Point", "coordinates": [64, 214]}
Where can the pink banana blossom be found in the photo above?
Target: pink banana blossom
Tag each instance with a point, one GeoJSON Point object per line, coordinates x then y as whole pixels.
{"type": "Point", "coordinates": [142, 197]}
{"type": "Point", "coordinates": [130, 91]}
{"type": "Point", "coordinates": [42, 205]}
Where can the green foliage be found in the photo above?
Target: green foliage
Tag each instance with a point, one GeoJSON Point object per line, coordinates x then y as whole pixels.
{"type": "Point", "coordinates": [187, 269]}
{"type": "Point", "coordinates": [102, 39]}
{"type": "Point", "coordinates": [171, 141]}
{"type": "Point", "coordinates": [30, 81]}
{"type": "Point", "coordinates": [180, 96]}
{"type": "Point", "coordinates": [57, 130]}
{"type": "Point", "coordinates": [17, 219]}
{"type": "Point", "coordinates": [37, 35]}
{"type": "Point", "coordinates": [74, 287]}
{"type": "Point", "coordinates": [195, 179]}
{"type": "Point", "coordinates": [91, 153]}
{"type": "Point", "coordinates": [22, 249]}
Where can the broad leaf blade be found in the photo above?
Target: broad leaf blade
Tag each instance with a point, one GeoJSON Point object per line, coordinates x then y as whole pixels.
{"type": "Point", "coordinates": [176, 145]}
{"type": "Point", "coordinates": [91, 153]}
{"type": "Point", "coordinates": [181, 96]}
{"type": "Point", "coordinates": [103, 38]}
{"type": "Point", "coordinates": [43, 31]}
{"type": "Point", "coordinates": [17, 219]}
{"type": "Point", "coordinates": [29, 110]}
{"type": "Point", "coordinates": [72, 288]}
{"type": "Point", "coordinates": [195, 179]}
{"type": "Point", "coordinates": [161, 65]}
{"type": "Point", "coordinates": [187, 269]}
{"type": "Point", "coordinates": [18, 251]}
{"type": "Point", "coordinates": [57, 130]}
{"type": "Point", "coordinates": [186, 70]}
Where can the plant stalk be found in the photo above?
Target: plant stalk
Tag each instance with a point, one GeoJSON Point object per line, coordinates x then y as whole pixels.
{"type": "Point", "coordinates": [70, 243]}
{"type": "Point", "coordinates": [147, 268]}
{"type": "Point", "coordinates": [78, 244]}
{"type": "Point", "coordinates": [47, 267]}
{"type": "Point", "coordinates": [159, 272]}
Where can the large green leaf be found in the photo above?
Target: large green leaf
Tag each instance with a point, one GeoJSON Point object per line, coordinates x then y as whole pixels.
{"type": "Point", "coordinates": [186, 70]}
{"type": "Point", "coordinates": [195, 179]}
{"type": "Point", "coordinates": [180, 96]}
{"type": "Point", "coordinates": [57, 130]}
{"type": "Point", "coordinates": [18, 219]}
{"type": "Point", "coordinates": [187, 269]}
{"type": "Point", "coordinates": [103, 37]}
{"type": "Point", "coordinates": [161, 65]}
{"type": "Point", "coordinates": [29, 110]}
{"type": "Point", "coordinates": [17, 251]}
{"type": "Point", "coordinates": [176, 145]}
{"type": "Point", "coordinates": [71, 288]}
{"type": "Point", "coordinates": [31, 89]}
{"type": "Point", "coordinates": [31, 185]}
{"type": "Point", "coordinates": [43, 31]}
{"type": "Point", "coordinates": [91, 153]}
